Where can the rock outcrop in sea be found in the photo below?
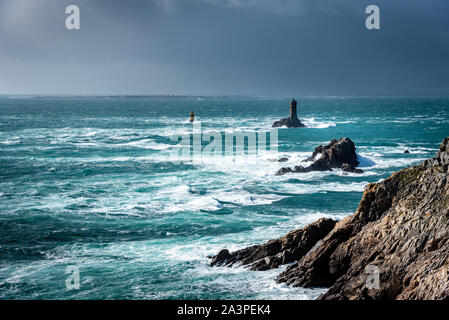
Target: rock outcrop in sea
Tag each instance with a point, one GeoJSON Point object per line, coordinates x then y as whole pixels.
{"type": "Point", "coordinates": [274, 253]}
{"type": "Point", "coordinates": [337, 154]}
{"type": "Point", "coordinates": [400, 229]}
{"type": "Point", "coordinates": [292, 121]}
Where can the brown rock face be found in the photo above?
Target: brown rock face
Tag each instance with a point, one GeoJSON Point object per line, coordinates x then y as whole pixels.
{"type": "Point", "coordinates": [401, 227]}
{"type": "Point", "coordinates": [274, 253]}
{"type": "Point", "coordinates": [334, 155]}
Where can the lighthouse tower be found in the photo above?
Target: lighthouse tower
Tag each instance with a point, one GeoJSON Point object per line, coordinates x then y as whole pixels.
{"type": "Point", "coordinates": [293, 110]}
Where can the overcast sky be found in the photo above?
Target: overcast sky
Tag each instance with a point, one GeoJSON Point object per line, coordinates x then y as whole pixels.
{"type": "Point", "coordinates": [215, 47]}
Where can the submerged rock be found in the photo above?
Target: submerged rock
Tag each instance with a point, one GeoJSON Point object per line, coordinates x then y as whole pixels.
{"type": "Point", "coordinates": [278, 160]}
{"type": "Point", "coordinates": [289, 123]}
{"type": "Point", "coordinates": [274, 253]}
{"type": "Point", "coordinates": [221, 257]}
{"type": "Point", "coordinates": [334, 155]}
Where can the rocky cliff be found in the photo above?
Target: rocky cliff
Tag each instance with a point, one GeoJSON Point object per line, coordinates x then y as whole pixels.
{"type": "Point", "coordinates": [274, 253]}
{"type": "Point", "coordinates": [400, 229]}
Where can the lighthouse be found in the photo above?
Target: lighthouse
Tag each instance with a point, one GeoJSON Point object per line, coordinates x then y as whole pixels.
{"type": "Point", "coordinates": [292, 121]}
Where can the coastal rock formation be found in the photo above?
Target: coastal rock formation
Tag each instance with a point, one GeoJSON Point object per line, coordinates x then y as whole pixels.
{"type": "Point", "coordinates": [401, 228]}
{"type": "Point", "coordinates": [292, 121]}
{"type": "Point", "coordinates": [289, 123]}
{"type": "Point", "coordinates": [274, 253]}
{"type": "Point", "coordinates": [279, 160]}
{"type": "Point", "coordinates": [400, 231]}
{"type": "Point", "coordinates": [337, 154]}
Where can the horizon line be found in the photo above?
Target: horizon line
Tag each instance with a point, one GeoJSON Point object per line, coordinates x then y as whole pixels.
{"type": "Point", "coordinates": [130, 96]}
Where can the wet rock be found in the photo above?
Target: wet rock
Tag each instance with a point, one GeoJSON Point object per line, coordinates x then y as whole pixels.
{"type": "Point", "coordinates": [289, 123]}
{"type": "Point", "coordinates": [350, 168]}
{"type": "Point", "coordinates": [333, 155]}
{"type": "Point", "coordinates": [277, 252]}
{"type": "Point", "coordinates": [406, 151]}
{"type": "Point", "coordinates": [278, 160]}
{"type": "Point", "coordinates": [283, 171]}
{"type": "Point", "coordinates": [220, 258]}
{"type": "Point", "coordinates": [292, 121]}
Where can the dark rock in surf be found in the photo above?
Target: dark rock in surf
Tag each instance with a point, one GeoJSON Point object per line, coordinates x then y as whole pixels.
{"type": "Point", "coordinates": [406, 151]}
{"type": "Point", "coordinates": [221, 257]}
{"type": "Point", "coordinates": [289, 123]}
{"type": "Point", "coordinates": [278, 160]}
{"type": "Point", "coordinates": [333, 155]}
{"type": "Point", "coordinates": [350, 168]}
{"type": "Point", "coordinates": [292, 121]}
{"type": "Point", "coordinates": [274, 253]}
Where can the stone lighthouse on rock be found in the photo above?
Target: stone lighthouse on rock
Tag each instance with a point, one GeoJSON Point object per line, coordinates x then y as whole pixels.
{"type": "Point", "coordinates": [292, 121]}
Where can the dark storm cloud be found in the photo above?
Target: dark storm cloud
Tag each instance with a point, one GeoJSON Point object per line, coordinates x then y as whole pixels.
{"type": "Point", "coordinates": [263, 47]}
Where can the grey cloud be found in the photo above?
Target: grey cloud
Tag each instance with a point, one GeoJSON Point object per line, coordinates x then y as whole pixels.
{"type": "Point", "coordinates": [268, 47]}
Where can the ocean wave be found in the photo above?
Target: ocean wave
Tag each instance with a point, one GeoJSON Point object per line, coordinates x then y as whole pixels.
{"type": "Point", "coordinates": [181, 199]}
{"type": "Point", "coordinates": [314, 124]}
{"type": "Point", "coordinates": [301, 188]}
{"type": "Point", "coordinates": [11, 141]}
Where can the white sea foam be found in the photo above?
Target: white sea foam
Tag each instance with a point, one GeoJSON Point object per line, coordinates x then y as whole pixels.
{"type": "Point", "coordinates": [181, 200]}
{"type": "Point", "coordinates": [377, 160]}
{"type": "Point", "coordinates": [317, 124]}
{"type": "Point", "coordinates": [11, 141]}
{"type": "Point", "coordinates": [300, 188]}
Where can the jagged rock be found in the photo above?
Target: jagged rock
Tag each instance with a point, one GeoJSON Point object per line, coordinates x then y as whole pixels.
{"type": "Point", "coordinates": [283, 170]}
{"type": "Point", "coordinates": [443, 153]}
{"type": "Point", "coordinates": [276, 252]}
{"type": "Point", "coordinates": [221, 257]}
{"type": "Point", "coordinates": [292, 121]}
{"type": "Point", "coordinates": [406, 151]}
{"type": "Point", "coordinates": [401, 227]}
{"type": "Point", "coordinates": [333, 155]}
{"type": "Point", "coordinates": [350, 168]}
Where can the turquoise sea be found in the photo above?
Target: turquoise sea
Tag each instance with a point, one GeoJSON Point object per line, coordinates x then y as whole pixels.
{"type": "Point", "coordinates": [87, 182]}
